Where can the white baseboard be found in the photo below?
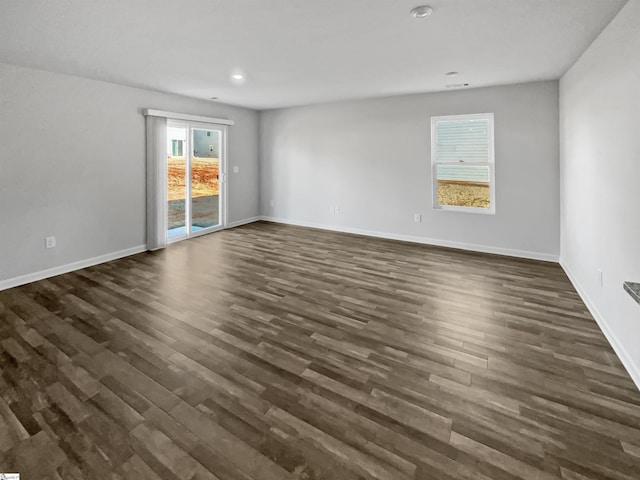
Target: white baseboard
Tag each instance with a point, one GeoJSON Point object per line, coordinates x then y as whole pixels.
{"type": "Point", "coordinates": [243, 222]}
{"type": "Point", "coordinates": [621, 352]}
{"type": "Point", "coordinates": [422, 240]}
{"type": "Point", "coordinates": [69, 267]}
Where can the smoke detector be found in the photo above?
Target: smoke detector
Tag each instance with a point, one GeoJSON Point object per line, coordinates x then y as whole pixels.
{"type": "Point", "coordinates": [422, 11]}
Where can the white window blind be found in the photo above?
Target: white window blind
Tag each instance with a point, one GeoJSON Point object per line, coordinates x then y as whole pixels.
{"type": "Point", "coordinates": [462, 140]}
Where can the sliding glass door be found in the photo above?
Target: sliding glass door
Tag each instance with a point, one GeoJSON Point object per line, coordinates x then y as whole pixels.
{"type": "Point", "coordinates": [205, 179]}
{"type": "Point", "coordinates": [195, 183]}
{"type": "Point", "coordinates": [177, 180]}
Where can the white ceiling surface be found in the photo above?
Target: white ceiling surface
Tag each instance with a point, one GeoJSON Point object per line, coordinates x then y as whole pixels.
{"type": "Point", "coordinates": [298, 52]}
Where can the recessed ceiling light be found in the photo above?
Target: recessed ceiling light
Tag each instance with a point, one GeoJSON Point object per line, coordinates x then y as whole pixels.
{"type": "Point", "coordinates": [214, 98]}
{"type": "Point", "coordinates": [452, 74]}
{"type": "Point", "coordinates": [237, 76]}
{"type": "Point", "coordinates": [422, 11]}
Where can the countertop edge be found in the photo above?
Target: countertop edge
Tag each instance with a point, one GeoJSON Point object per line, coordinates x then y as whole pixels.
{"type": "Point", "coordinates": [633, 289]}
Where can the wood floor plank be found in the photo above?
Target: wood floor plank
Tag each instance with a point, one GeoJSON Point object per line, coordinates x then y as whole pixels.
{"type": "Point", "coordinates": [274, 352]}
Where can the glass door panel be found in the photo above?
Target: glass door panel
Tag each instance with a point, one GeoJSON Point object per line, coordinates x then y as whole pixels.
{"type": "Point", "coordinates": [205, 179]}
{"type": "Point", "coordinates": [177, 181]}
{"type": "Point", "coordinates": [195, 180]}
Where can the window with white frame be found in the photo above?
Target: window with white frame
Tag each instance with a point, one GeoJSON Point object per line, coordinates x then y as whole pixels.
{"type": "Point", "coordinates": [463, 163]}
{"type": "Point", "coordinates": [177, 149]}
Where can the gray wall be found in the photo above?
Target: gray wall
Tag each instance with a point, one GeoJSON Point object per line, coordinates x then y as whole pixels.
{"type": "Point", "coordinates": [600, 179]}
{"type": "Point", "coordinates": [372, 159]}
{"type": "Point", "coordinates": [84, 179]}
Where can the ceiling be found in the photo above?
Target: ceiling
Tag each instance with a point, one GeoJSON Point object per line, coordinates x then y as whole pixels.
{"type": "Point", "coordinates": [296, 52]}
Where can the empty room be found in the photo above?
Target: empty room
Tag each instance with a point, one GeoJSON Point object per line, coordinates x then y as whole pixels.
{"type": "Point", "coordinates": [320, 240]}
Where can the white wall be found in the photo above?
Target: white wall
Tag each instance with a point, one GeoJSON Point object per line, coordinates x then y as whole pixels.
{"type": "Point", "coordinates": [83, 180]}
{"type": "Point", "coordinates": [372, 159]}
{"type": "Point", "coordinates": [600, 179]}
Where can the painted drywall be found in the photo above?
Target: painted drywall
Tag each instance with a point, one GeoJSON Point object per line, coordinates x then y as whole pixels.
{"type": "Point", "coordinates": [600, 179]}
{"type": "Point", "coordinates": [372, 159]}
{"type": "Point", "coordinates": [84, 179]}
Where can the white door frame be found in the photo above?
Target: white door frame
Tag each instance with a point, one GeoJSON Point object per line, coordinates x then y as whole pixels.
{"type": "Point", "coordinates": [222, 177]}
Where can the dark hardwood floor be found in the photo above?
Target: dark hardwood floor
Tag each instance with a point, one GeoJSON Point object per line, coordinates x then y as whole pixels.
{"type": "Point", "coordinates": [274, 352]}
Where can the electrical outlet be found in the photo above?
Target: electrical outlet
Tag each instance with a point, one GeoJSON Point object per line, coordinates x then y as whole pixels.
{"type": "Point", "coordinates": [337, 209]}
{"type": "Point", "coordinates": [211, 148]}
{"type": "Point", "coordinates": [50, 242]}
{"type": "Point", "coordinates": [236, 169]}
{"type": "Point", "coordinates": [417, 217]}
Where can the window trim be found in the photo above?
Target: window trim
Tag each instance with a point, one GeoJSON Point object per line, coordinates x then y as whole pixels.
{"type": "Point", "coordinates": [491, 164]}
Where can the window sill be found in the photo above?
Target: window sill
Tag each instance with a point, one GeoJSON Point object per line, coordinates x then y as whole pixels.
{"type": "Point", "coordinates": [480, 211]}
